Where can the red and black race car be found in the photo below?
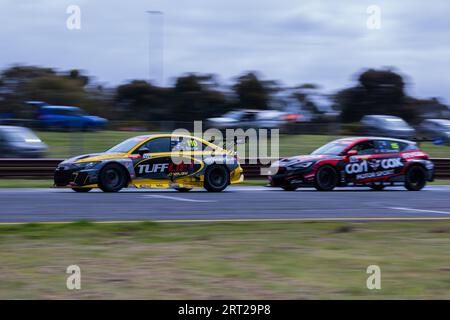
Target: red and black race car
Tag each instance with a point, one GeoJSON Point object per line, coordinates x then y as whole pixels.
{"type": "Point", "coordinates": [369, 161]}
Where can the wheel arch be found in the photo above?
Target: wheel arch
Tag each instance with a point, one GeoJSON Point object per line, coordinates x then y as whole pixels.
{"type": "Point", "coordinates": [127, 172]}
{"type": "Point", "coordinates": [415, 162]}
{"type": "Point", "coordinates": [319, 165]}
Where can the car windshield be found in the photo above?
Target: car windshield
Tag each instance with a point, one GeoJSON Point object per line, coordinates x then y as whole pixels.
{"type": "Point", "coordinates": [127, 145]}
{"type": "Point", "coordinates": [77, 112]}
{"type": "Point", "coordinates": [332, 148]}
{"type": "Point", "coordinates": [20, 135]}
{"type": "Point", "coordinates": [233, 114]}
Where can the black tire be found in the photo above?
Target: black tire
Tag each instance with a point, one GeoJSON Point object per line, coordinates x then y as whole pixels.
{"type": "Point", "coordinates": [82, 190]}
{"type": "Point", "coordinates": [326, 178]}
{"type": "Point", "coordinates": [377, 187]}
{"type": "Point", "coordinates": [289, 188]}
{"type": "Point", "coordinates": [217, 178]}
{"type": "Point", "coordinates": [415, 178]}
{"type": "Point", "coordinates": [112, 178]}
{"type": "Point", "coordinates": [183, 189]}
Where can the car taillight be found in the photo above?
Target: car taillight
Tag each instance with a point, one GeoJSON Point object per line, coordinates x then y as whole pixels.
{"type": "Point", "coordinates": [291, 117]}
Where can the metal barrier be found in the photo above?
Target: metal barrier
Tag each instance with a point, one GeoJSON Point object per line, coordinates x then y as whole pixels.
{"type": "Point", "coordinates": [44, 168]}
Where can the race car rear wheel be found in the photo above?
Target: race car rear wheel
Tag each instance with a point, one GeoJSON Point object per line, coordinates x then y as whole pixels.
{"type": "Point", "coordinates": [112, 178]}
{"type": "Point", "coordinates": [81, 189]}
{"type": "Point", "coordinates": [183, 189]}
{"type": "Point", "coordinates": [217, 178]}
{"type": "Point", "coordinates": [326, 179]}
{"type": "Point", "coordinates": [415, 178]}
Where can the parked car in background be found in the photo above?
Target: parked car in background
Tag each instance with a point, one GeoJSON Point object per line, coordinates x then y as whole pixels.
{"type": "Point", "coordinates": [20, 142]}
{"type": "Point", "coordinates": [435, 129]}
{"type": "Point", "coordinates": [258, 119]}
{"type": "Point", "coordinates": [387, 126]}
{"type": "Point", "coordinates": [67, 118]}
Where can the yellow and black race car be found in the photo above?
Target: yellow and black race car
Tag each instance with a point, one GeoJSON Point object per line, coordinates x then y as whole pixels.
{"type": "Point", "coordinates": [153, 161]}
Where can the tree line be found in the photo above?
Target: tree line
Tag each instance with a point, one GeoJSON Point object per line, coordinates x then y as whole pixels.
{"type": "Point", "coordinates": [196, 96]}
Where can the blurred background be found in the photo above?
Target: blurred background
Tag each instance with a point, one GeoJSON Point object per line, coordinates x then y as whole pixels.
{"type": "Point", "coordinates": [314, 71]}
{"type": "Point", "coordinates": [79, 76]}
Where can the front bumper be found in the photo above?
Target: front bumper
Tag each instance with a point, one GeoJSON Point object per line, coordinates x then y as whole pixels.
{"type": "Point", "coordinates": [69, 177]}
{"type": "Point", "coordinates": [291, 178]}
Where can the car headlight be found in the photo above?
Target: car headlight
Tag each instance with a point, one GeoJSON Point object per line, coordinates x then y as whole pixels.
{"type": "Point", "coordinates": [302, 165]}
{"type": "Point", "coordinates": [86, 165]}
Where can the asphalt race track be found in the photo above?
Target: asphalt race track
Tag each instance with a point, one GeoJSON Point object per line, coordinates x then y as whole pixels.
{"type": "Point", "coordinates": [236, 203]}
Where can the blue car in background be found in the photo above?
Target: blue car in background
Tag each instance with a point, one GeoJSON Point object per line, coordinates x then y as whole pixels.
{"type": "Point", "coordinates": [68, 118]}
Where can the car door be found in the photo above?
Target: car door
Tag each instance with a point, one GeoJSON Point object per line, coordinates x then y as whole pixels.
{"type": "Point", "coordinates": [357, 167]}
{"type": "Point", "coordinates": [154, 160]}
{"type": "Point", "coordinates": [3, 146]}
{"type": "Point", "coordinates": [247, 120]}
{"type": "Point", "coordinates": [186, 157]}
{"type": "Point", "coordinates": [390, 161]}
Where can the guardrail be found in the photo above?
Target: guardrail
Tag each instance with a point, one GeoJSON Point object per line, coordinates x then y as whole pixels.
{"type": "Point", "coordinates": [44, 168]}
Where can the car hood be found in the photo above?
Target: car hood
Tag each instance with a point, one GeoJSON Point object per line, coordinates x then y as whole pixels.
{"type": "Point", "coordinates": [304, 158]}
{"type": "Point", "coordinates": [95, 157]}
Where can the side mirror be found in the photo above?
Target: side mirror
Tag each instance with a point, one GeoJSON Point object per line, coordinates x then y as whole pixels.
{"type": "Point", "coordinates": [143, 151]}
{"type": "Point", "coordinates": [352, 153]}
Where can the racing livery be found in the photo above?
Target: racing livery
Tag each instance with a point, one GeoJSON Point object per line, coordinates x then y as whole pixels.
{"type": "Point", "coordinates": [369, 161]}
{"type": "Point", "coordinates": [155, 161]}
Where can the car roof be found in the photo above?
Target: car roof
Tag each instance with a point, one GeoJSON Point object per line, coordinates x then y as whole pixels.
{"type": "Point", "coordinates": [253, 110]}
{"type": "Point", "coordinates": [164, 135]}
{"type": "Point", "coordinates": [438, 121]}
{"type": "Point", "coordinates": [382, 116]}
{"type": "Point", "coordinates": [11, 127]}
{"type": "Point", "coordinates": [361, 139]}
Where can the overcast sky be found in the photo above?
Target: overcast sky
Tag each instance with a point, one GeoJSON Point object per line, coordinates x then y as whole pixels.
{"type": "Point", "coordinates": [293, 41]}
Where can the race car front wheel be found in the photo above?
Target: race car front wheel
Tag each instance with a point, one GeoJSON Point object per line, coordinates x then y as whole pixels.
{"type": "Point", "coordinates": [416, 178]}
{"type": "Point", "coordinates": [112, 178]}
{"type": "Point", "coordinates": [326, 178]}
{"type": "Point", "coordinates": [217, 178]}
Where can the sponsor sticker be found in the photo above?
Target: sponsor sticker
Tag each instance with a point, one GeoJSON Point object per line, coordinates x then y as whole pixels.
{"type": "Point", "coordinates": [374, 164]}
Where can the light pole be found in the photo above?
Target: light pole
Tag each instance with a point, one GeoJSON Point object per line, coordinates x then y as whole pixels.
{"type": "Point", "coordinates": [156, 46]}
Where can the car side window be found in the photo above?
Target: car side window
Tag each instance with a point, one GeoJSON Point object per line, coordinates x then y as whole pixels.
{"type": "Point", "coordinates": [186, 144]}
{"type": "Point", "coordinates": [387, 146]}
{"type": "Point", "coordinates": [364, 148]}
{"type": "Point", "coordinates": [157, 145]}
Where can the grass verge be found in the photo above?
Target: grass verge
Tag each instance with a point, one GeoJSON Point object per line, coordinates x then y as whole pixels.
{"type": "Point", "coordinates": [228, 260]}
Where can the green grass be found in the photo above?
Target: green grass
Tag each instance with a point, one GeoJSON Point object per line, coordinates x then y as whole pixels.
{"type": "Point", "coordinates": [229, 261]}
{"type": "Point", "coordinates": [65, 144]}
